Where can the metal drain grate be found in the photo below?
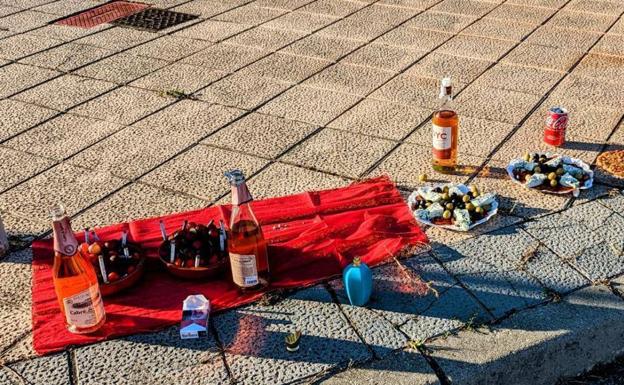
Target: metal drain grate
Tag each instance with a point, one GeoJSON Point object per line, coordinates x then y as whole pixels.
{"type": "Point", "coordinates": [154, 19]}
{"type": "Point", "coordinates": [101, 14]}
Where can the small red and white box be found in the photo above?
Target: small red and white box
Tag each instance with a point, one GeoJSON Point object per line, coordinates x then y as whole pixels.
{"type": "Point", "coordinates": [195, 314]}
{"type": "Point", "coordinates": [556, 125]}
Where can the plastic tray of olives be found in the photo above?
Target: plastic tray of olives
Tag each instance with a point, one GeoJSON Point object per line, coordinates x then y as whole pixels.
{"type": "Point", "coordinates": [452, 206]}
{"type": "Point", "coordinates": [551, 173]}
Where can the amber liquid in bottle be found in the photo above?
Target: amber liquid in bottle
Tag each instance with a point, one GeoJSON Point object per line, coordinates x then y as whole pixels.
{"type": "Point", "coordinates": [246, 244]}
{"type": "Point", "coordinates": [445, 131]}
{"type": "Point", "coordinates": [75, 280]}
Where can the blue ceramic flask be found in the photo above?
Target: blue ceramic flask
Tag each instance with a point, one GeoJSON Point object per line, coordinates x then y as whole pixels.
{"type": "Point", "coordinates": [358, 282]}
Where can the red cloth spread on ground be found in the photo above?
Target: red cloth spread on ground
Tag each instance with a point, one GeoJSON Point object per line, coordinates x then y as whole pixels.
{"type": "Point", "coordinates": [319, 233]}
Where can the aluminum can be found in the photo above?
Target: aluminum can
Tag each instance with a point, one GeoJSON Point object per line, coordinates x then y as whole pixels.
{"type": "Point", "coordinates": [555, 128]}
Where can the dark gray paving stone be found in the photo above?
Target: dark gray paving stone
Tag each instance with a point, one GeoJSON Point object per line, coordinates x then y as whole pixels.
{"type": "Point", "coordinates": [593, 215]}
{"type": "Point", "coordinates": [5, 377]}
{"type": "Point", "coordinates": [253, 337]}
{"type": "Point", "coordinates": [161, 358]}
{"type": "Point", "coordinates": [487, 266]}
{"type": "Point", "coordinates": [449, 306]}
{"type": "Point", "coordinates": [565, 236]}
{"type": "Point", "coordinates": [15, 275]}
{"type": "Point", "coordinates": [419, 297]}
{"type": "Point", "coordinates": [587, 236]}
{"type": "Point", "coordinates": [552, 271]}
{"type": "Point", "coordinates": [615, 202]}
{"type": "Point", "coordinates": [400, 368]}
{"type": "Point", "coordinates": [14, 325]}
{"type": "Point", "coordinates": [379, 333]}
{"type": "Point", "coordinates": [559, 339]}
{"type": "Point", "coordinates": [49, 370]}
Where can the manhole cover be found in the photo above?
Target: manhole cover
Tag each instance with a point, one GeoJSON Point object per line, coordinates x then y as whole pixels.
{"type": "Point", "coordinates": [101, 14]}
{"type": "Point", "coordinates": [154, 19]}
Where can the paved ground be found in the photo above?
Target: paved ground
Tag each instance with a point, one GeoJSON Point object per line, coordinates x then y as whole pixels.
{"type": "Point", "coordinates": [311, 94]}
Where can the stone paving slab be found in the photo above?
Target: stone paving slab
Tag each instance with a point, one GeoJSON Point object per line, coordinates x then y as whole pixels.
{"type": "Point", "coordinates": [261, 135]}
{"type": "Point", "coordinates": [572, 235]}
{"type": "Point", "coordinates": [253, 339]}
{"type": "Point", "coordinates": [323, 47]}
{"type": "Point", "coordinates": [17, 77]}
{"type": "Point", "coordinates": [164, 360]}
{"type": "Point", "coordinates": [57, 185]}
{"type": "Point", "coordinates": [381, 118]}
{"type": "Point", "coordinates": [187, 173]}
{"type": "Point", "coordinates": [52, 370]}
{"type": "Point", "coordinates": [402, 368]}
{"type": "Point", "coordinates": [243, 89]}
{"type": "Point", "coordinates": [20, 167]}
{"type": "Point", "coordinates": [56, 138]}
{"type": "Point", "coordinates": [65, 92]}
{"type": "Point", "coordinates": [567, 333]}
{"type": "Point", "coordinates": [340, 152]}
{"type": "Point", "coordinates": [66, 57]}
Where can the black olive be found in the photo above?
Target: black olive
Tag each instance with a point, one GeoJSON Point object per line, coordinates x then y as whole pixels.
{"type": "Point", "coordinates": [437, 189]}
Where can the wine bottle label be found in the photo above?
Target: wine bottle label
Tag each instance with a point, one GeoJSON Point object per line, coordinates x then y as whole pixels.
{"type": "Point", "coordinates": [441, 142]}
{"type": "Point", "coordinates": [244, 269]}
{"type": "Point", "coordinates": [84, 309]}
{"type": "Point", "coordinates": [64, 240]}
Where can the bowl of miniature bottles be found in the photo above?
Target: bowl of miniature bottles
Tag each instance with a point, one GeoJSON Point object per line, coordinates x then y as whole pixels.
{"type": "Point", "coordinates": [195, 251]}
{"type": "Point", "coordinates": [119, 264]}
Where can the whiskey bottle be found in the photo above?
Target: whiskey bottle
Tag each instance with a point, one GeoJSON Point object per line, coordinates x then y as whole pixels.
{"type": "Point", "coordinates": [445, 131]}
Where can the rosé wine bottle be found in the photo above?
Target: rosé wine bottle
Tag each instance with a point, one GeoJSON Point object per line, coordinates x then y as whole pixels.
{"type": "Point", "coordinates": [246, 244]}
{"type": "Point", "coordinates": [75, 280]}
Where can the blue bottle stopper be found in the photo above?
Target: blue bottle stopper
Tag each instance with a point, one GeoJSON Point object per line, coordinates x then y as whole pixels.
{"type": "Point", "coordinates": [358, 282]}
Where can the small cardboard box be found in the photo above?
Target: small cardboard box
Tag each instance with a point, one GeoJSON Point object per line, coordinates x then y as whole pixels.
{"type": "Point", "coordinates": [195, 313]}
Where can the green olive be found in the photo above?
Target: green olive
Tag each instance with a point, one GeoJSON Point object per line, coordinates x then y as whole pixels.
{"type": "Point", "coordinates": [552, 176]}
{"type": "Point", "coordinates": [466, 198]}
{"type": "Point", "coordinates": [470, 206]}
{"type": "Point", "coordinates": [553, 183]}
{"type": "Point", "coordinates": [537, 169]}
{"type": "Point", "coordinates": [446, 214]}
{"type": "Point", "coordinates": [479, 210]}
{"type": "Point", "coordinates": [559, 171]}
{"type": "Point", "coordinates": [527, 156]}
{"type": "Point", "coordinates": [449, 206]}
{"type": "Point", "coordinates": [445, 196]}
{"type": "Point", "coordinates": [422, 177]}
{"type": "Point", "coordinates": [445, 189]}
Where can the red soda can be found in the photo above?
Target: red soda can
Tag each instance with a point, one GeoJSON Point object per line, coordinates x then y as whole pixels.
{"type": "Point", "coordinates": [556, 124]}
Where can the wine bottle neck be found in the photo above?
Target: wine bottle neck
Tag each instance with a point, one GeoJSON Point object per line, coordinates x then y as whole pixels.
{"type": "Point", "coordinates": [64, 240]}
{"type": "Point", "coordinates": [240, 194]}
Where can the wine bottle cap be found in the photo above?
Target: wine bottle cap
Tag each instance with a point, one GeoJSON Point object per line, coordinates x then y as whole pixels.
{"type": "Point", "coordinates": [57, 212]}
{"type": "Point", "coordinates": [446, 86]}
{"type": "Point", "coordinates": [235, 177]}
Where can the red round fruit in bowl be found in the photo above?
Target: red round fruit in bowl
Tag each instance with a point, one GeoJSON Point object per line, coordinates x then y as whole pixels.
{"type": "Point", "coordinates": [95, 248]}
{"type": "Point", "coordinates": [113, 276]}
{"type": "Point", "coordinates": [121, 271]}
